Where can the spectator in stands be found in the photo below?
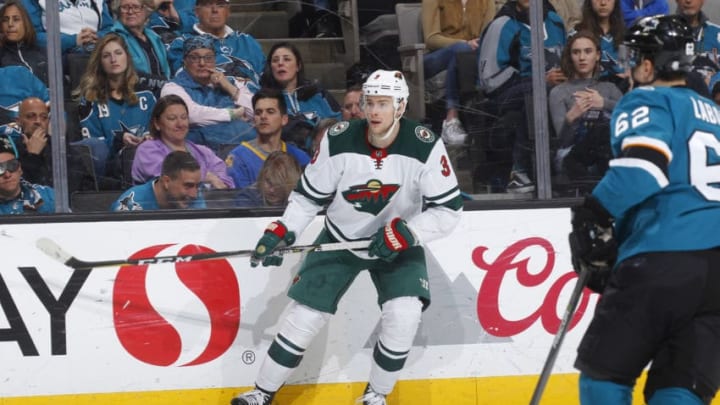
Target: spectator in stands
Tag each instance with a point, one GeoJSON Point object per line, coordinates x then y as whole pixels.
{"type": "Point", "coordinates": [172, 18]}
{"type": "Point", "coordinates": [245, 161]}
{"type": "Point", "coordinates": [31, 137]}
{"type": "Point", "coordinates": [351, 109]}
{"type": "Point", "coordinates": [504, 75]}
{"type": "Point", "coordinates": [19, 43]}
{"type": "Point", "coordinates": [633, 10]}
{"type": "Point", "coordinates": [452, 27]}
{"type": "Point", "coordinates": [236, 54]}
{"type": "Point", "coordinates": [604, 19]}
{"type": "Point", "coordinates": [30, 134]}
{"type": "Point", "coordinates": [307, 102]}
{"type": "Point", "coordinates": [169, 127]}
{"type": "Point", "coordinates": [82, 23]}
{"type": "Point", "coordinates": [277, 178]}
{"type": "Point", "coordinates": [220, 106]}
{"type": "Point", "coordinates": [568, 10]}
{"type": "Point", "coordinates": [707, 37]}
{"type": "Point", "coordinates": [177, 187]}
{"type": "Point", "coordinates": [147, 50]}
{"type": "Point", "coordinates": [113, 109]}
{"type": "Point", "coordinates": [18, 196]}
{"type": "Point", "coordinates": [580, 109]}
{"type": "Point", "coordinates": [17, 84]}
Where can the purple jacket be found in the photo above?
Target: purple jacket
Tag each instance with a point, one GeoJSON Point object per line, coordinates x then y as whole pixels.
{"type": "Point", "coordinates": [150, 154]}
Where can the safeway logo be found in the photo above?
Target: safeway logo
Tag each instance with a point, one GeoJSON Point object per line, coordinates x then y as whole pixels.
{"type": "Point", "coordinates": [156, 317]}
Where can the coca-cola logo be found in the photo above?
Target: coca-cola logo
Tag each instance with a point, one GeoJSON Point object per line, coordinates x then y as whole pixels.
{"type": "Point", "coordinates": [514, 260]}
{"type": "Point", "coordinates": [147, 323]}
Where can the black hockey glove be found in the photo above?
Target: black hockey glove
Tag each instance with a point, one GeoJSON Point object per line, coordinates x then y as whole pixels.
{"type": "Point", "coordinates": [275, 236]}
{"type": "Point", "coordinates": [592, 242]}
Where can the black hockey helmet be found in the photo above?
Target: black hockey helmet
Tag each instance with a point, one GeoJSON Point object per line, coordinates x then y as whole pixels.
{"type": "Point", "coordinates": [667, 39]}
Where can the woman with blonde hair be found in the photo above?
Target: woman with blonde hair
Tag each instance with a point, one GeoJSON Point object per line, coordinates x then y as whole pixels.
{"type": "Point", "coordinates": [112, 106]}
{"type": "Point", "coordinates": [277, 178]}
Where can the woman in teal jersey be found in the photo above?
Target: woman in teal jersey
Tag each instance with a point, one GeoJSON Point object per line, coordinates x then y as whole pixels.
{"type": "Point", "coordinates": [112, 107]}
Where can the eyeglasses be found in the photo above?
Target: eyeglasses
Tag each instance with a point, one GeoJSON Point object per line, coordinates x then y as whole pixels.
{"type": "Point", "coordinates": [10, 166]}
{"type": "Point", "coordinates": [135, 8]}
{"type": "Point", "coordinates": [204, 58]}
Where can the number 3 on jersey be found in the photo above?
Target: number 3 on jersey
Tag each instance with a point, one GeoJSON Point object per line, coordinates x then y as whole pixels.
{"type": "Point", "coordinates": [446, 171]}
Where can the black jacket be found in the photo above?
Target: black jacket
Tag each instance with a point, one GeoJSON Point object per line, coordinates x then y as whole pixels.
{"type": "Point", "coordinates": [33, 58]}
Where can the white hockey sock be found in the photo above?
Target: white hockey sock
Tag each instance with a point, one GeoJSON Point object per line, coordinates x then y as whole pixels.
{"type": "Point", "coordinates": [301, 325]}
{"type": "Point", "coordinates": [399, 324]}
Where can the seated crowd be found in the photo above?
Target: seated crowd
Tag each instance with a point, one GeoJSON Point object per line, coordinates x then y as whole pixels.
{"type": "Point", "coordinates": [174, 103]}
{"type": "Point", "coordinates": [159, 78]}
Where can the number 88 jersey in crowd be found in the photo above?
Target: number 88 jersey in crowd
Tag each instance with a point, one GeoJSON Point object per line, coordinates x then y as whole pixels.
{"type": "Point", "coordinates": [367, 187]}
{"type": "Point", "coordinates": [663, 185]}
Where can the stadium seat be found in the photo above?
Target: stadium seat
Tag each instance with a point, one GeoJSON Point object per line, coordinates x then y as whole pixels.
{"type": "Point", "coordinates": [412, 49]}
{"type": "Point", "coordinates": [93, 201]}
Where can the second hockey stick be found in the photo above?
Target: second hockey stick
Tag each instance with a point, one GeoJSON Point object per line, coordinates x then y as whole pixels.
{"type": "Point", "coordinates": [52, 249]}
{"type": "Point", "coordinates": [560, 335]}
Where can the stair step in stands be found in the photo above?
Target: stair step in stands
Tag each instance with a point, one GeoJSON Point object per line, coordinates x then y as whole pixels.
{"type": "Point", "coordinates": [260, 24]}
{"type": "Point", "coordinates": [313, 50]}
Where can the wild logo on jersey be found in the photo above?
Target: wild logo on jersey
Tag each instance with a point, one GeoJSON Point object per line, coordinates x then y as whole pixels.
{"type": "Point", "coordinates": [371, 197]}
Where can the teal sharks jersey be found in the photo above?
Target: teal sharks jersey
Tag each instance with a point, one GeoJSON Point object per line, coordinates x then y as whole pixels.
{"type": "Point", "coordinates": [659, 206]}
{"type": "Point", "coordinates": [109, 121]}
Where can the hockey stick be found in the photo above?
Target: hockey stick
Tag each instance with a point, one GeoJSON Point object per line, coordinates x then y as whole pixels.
{"type": "Point", "coordinates": [52, 249]}
{"type": "Point", "coordinates": [560, 335]}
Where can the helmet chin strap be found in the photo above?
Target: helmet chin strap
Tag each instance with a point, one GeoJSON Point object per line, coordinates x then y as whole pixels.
{"type": "Point", "coordinates": [387, 133]}
{"type": "Point", "coordinates": [396, 118]}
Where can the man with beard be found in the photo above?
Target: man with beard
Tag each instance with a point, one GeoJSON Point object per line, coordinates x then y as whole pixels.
{"type": "Point", "coordinates": [178, 187]}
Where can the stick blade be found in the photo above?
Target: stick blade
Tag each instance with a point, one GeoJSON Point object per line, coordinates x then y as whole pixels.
{"type": "Point", "coordinates": [52, 249]}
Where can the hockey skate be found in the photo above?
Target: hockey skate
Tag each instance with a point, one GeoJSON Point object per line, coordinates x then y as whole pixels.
{"type": "Point", "coordinates": [370, 397]}
{"type": "Point", "coordinates": [254, 397]}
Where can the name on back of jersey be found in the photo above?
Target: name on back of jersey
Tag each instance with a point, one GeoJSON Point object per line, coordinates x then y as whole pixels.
{"type": "Point", "coordinates": [705, 111]}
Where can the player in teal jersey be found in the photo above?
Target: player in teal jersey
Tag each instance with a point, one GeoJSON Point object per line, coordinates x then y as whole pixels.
{"type": "Point", "coordinates": [649, 234]}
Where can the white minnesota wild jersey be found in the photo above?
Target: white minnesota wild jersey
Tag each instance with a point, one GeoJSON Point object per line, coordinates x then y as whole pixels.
{"type": "Point", "coordinates": [367, 187]}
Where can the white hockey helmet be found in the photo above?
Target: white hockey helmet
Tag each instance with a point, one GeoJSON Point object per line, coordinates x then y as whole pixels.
{"type": "Point", "coordinates": [387, 83]}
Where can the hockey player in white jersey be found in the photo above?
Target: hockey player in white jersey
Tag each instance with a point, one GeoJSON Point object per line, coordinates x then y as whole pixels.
{"type": "Point", "coordinates": [384, 179]}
